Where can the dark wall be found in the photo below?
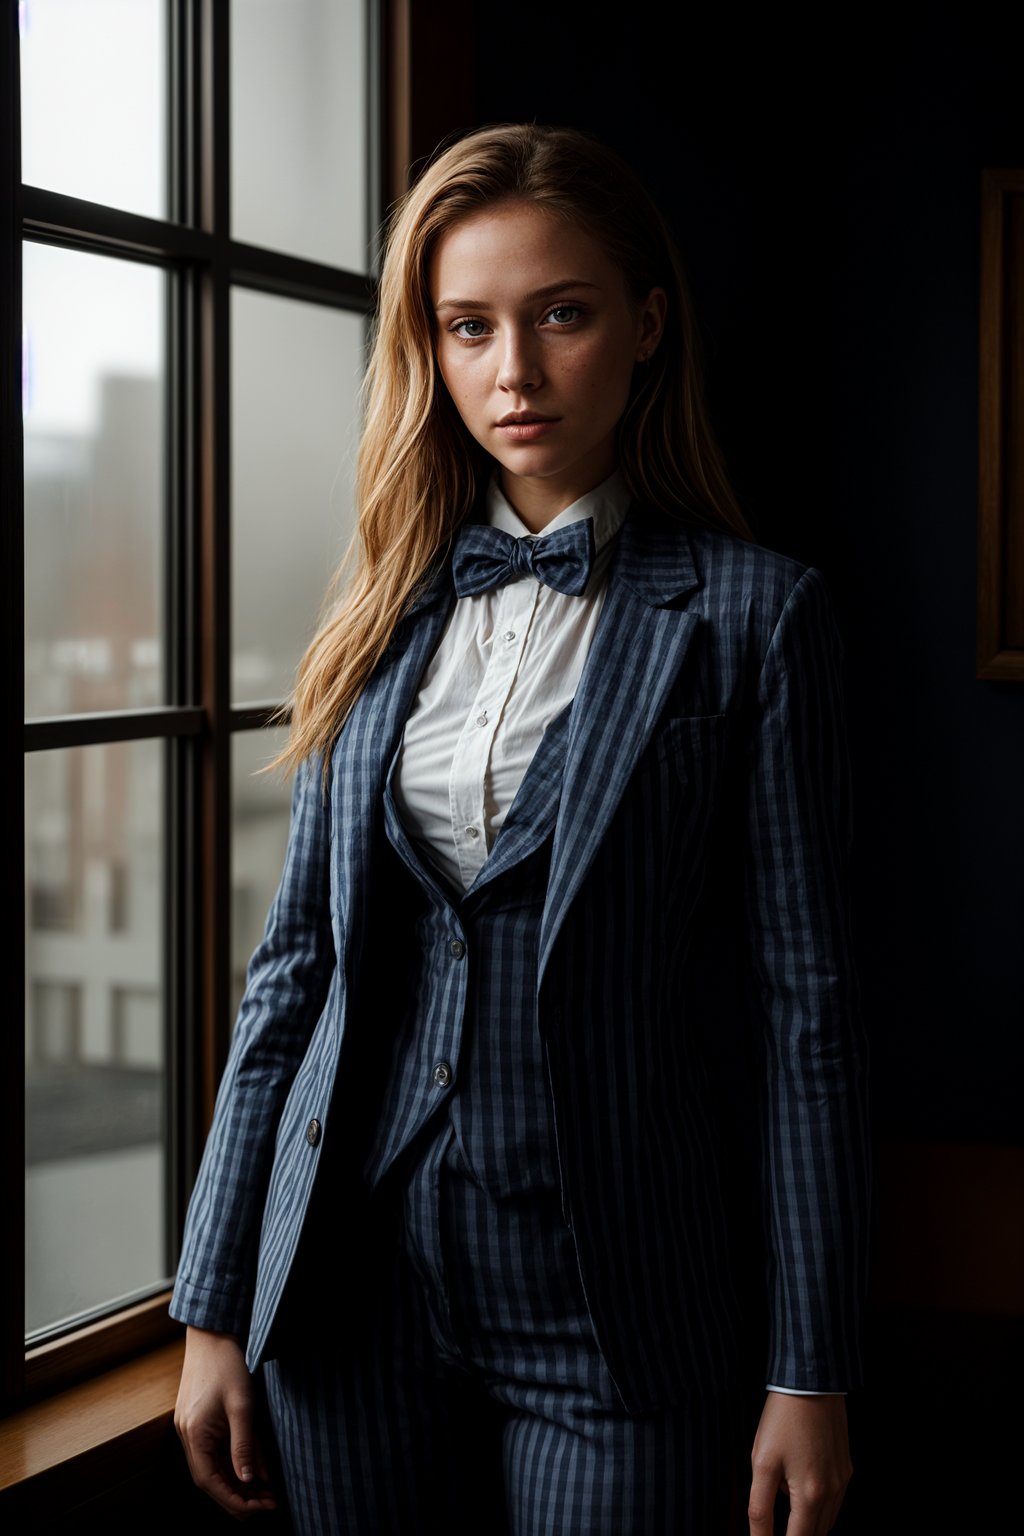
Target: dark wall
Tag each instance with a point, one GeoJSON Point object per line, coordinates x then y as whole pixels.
{"type": "Point", "coordinates": [822, 175]}
{"type": "Point", "coordinates": [823, 182]}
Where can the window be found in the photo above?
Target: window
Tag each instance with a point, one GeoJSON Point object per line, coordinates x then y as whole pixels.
{"type": "Point", "coordinates": [189, 259]}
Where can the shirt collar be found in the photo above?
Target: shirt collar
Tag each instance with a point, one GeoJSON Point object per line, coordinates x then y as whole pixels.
{"type": "Point", "coordinates": [607, 504]}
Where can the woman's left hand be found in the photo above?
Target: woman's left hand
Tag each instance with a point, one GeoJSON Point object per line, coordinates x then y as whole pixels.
{"type": "Point", "coordinates": [801, 1449]}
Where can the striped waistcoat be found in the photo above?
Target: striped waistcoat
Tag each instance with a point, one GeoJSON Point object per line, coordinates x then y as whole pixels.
{"type": "Point", "coordinates": [468, 1042]}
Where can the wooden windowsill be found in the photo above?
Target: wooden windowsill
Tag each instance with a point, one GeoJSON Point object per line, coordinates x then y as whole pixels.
{"type": "Point", "coordinates": [54, 1452]}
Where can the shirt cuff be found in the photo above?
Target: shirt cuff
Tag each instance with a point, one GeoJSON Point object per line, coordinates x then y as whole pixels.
{"type": "Point", "coordinates": [799, 1392]}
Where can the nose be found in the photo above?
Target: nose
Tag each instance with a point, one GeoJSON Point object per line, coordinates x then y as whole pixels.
{"type": "Point", "coordinates": [519, 366]}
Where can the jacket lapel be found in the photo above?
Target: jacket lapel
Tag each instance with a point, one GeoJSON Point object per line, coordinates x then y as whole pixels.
{"type": "Point", "coordinates": [635, 657]}
{"type": "Point", "coordinates": [533, 812]}
{"type": "Point", "coordinates": [369, 738]}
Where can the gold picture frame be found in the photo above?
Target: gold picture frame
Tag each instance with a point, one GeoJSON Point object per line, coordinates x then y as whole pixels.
{"type": "Point", "coordinates": [1000, 581]}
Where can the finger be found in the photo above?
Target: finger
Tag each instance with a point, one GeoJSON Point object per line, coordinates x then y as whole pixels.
{"type": "Point", "coordinates": [834, 1508]}
{"type": "Point", "coordinates": [761, 1504]}
{"type": "Point", "coordinates": [804, 1517]}
{"type": "Point", "coordinates": [210, 1465]}
{"type": "Point", "coordinates": [832, 1503]}
{"type": "Point", "coordinates": [246, 1452]}
{"type": "Point", "coordinates": [248, 1457]}
{"type": "Point", "coordinates": [809, 1512]}
{"type": "Point", "coordinates": [211, 1472]}
{"type": "Point", "coordinates": [204, 1460]}
{"type": "Point", "coordinates": [240, 1502]}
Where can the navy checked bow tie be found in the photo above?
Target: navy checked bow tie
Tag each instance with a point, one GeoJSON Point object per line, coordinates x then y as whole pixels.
{"type": "Point", "coordinates": [488, 557]}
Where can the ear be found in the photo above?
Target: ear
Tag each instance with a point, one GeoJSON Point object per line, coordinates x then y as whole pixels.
{"type": "Point", "coordinates": [650, 323]}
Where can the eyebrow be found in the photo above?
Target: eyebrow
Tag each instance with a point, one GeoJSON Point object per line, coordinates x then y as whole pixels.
{"type": "Point", "coordinates": [546, 292]}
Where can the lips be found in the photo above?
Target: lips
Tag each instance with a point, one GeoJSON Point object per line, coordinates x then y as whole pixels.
{"type": "Point", "coordinates": [526, 426]}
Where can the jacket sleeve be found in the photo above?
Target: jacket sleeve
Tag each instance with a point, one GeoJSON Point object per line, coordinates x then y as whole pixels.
{"type": "Point", "coordinates": [816, 1147]}
{"type": "Point", "coordinates": [286, 988]}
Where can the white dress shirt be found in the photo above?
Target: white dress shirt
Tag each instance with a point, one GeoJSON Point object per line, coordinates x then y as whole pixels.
{"type": "Point", "coordinates": [508, 661]}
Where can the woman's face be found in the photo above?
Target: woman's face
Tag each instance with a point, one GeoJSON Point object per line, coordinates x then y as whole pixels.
{"type": "Point", "coordinates": [536, 340]}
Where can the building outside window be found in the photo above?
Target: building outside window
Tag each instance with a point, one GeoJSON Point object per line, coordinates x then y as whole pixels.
{"type": "Point", "coordinates": [199, 201]}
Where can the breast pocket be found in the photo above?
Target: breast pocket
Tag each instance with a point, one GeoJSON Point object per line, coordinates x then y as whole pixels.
{"type": "Point", "coordinates": [691, 748]}
{"type": "Point", "coordinates": [688, 773]}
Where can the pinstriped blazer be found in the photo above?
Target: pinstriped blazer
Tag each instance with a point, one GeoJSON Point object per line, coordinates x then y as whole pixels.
{"type": "Point", "coordinates": [706, 791]}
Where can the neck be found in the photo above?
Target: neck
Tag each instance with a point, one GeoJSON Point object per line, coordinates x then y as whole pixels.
{"type": "Point", "coordinates": [538, 502]}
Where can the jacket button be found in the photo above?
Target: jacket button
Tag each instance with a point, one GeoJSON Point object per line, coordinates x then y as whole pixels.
{"type": "Point", "coordinates": [457, 948]}
{"type": "Point", "coordinates": [314, 1131]}
{"type": "Point", "coordinates": [442, 1074]}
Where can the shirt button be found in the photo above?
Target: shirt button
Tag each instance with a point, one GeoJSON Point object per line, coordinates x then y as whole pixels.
{"type": "Point", "coordinates": [442, 1074]}
{"type": "Point", "coordinates": [313, 1132]}
{"type": "Point", "coordinates": [472, 832]}
{"type": "Point", "coordinates": [482, 719]}
{"type": "Point", "coordinates": [509, 636]}
{"type": "Point", "coordinates": [457, 948]}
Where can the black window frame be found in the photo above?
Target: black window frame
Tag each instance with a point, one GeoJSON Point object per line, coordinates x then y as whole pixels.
{"type": "Point", "coordinates": [194, 246]}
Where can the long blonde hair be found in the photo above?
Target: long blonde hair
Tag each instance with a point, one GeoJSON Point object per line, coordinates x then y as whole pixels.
{"type": "Point", "coordinates": [418, 470]}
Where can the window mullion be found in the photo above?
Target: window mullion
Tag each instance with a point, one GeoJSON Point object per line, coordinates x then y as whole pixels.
{"type": "Point", "coordinates": [214, 616]}
{"type": "Point", "coordinates": [181, 863]}
{"type": "Point", "coordinates": [12, 557]}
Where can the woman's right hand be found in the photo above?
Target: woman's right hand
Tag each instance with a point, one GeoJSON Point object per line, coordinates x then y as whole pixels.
{"type": "Point", "coordinates": [215, 1420]}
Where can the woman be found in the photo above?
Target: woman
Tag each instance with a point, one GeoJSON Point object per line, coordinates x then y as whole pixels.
{"type": "Point", "coordinates": [569, 765]}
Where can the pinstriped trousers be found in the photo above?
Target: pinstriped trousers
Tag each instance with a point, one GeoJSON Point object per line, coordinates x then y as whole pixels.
{"type": "Point", "coordinates": [469, 1394]}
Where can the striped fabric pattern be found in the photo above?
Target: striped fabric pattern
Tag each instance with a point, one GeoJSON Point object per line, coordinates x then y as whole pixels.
{"type": "Point", "coordinates": [705, 753]}
{"type": "Point", "coordinates": [478, 1012]}
{"type": "Point", "coordinates": [472, 1397]}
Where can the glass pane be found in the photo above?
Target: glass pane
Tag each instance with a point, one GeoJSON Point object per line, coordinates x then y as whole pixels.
{"type": "Point", "coordinates": [94, 1220]}
{"type": "Point", "coordinates": [299, 151]}
{"type": "Point", "coordinates": [296, 371]}
{"type": "Point", "coordinates": [260, 805]}
{"type": "Point", "coordinates": [94, 388]}
{"type": "Point", "coordinates": [93, 100]}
